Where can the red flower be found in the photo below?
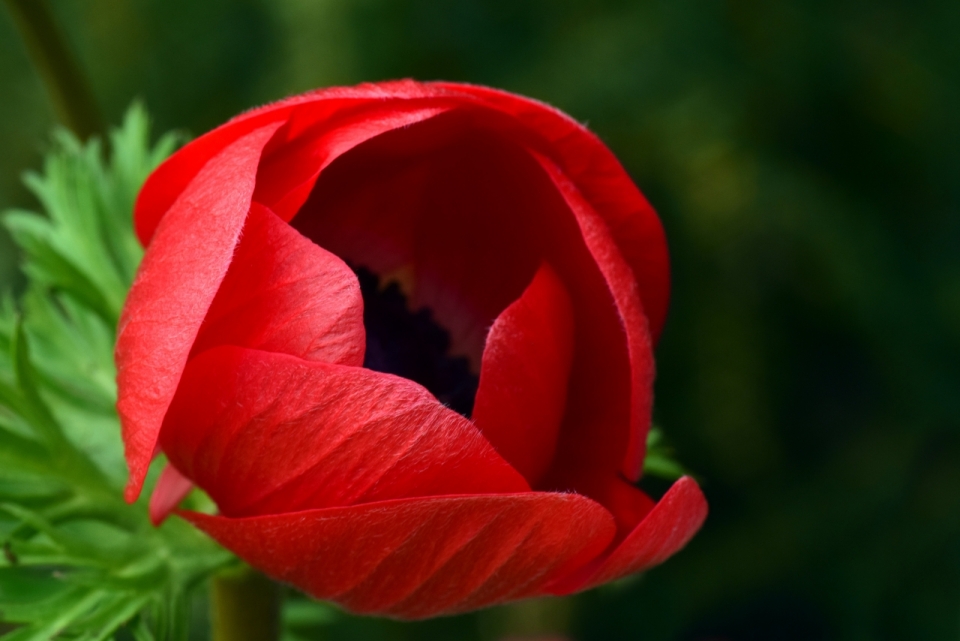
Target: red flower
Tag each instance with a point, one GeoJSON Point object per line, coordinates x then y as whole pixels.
{"type": "Point", "coordinates": [242, 348]}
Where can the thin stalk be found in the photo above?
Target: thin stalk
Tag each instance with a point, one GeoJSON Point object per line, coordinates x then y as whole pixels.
{"type": "Point", "coordinates": [545, 618]}
{"type": "Point", "coordinates": [245, 606]}
{"type": "Point", "coordinates": [68, 89]}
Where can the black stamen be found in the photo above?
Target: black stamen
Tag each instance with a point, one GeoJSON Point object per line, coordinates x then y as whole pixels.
{"type": "Point", "coordinates": [413, 345]}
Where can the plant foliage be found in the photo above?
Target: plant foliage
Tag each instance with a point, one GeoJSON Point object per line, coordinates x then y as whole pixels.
{"type": "Point", "coordinates": [78, 562]}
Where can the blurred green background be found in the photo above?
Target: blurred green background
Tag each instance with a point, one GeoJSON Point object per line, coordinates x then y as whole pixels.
{"type": "Point", "coordinates": [805, 158]}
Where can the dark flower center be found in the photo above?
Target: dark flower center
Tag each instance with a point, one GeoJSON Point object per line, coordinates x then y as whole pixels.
{"type": "Point", "coordinates": [411, 344]}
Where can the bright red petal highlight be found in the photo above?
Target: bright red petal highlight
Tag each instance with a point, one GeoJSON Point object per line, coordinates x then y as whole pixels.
{"type": "Point", "coordinates": [662, 533]}
{"type": "Point", "coordinates": [285, 294]}
{"type": "Point", "coordinates": [265, 433]}
{"type": "Point", "coordinates": [168, 181]}
{"type": "Point", "coordinates": [418, 558]}
{"type": "Point", "coordinates": [177, 280]}
{"type": "Point", "coordinates": [172, 487]}
{"type": "Point", "coordinates": [523, 379]}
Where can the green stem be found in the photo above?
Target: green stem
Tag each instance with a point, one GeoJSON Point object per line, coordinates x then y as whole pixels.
{"type": "Point", "coordinates": [245, 606]}
{"type": "Point", "coordinates": [71, 96]}
{"type": "Point", "coordinates": [548, 617]}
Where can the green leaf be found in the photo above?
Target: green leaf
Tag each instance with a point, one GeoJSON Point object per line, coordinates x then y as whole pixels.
{"type": "Point", "coordinates": [303, 613]}
{"type": "Point", "coordinates": [49, 267]}
{"type": "Point", "coordinates": [53, 616]}
{"type": "Point", "coordinates": [28, 489]}
{"type": "Point", "coordinates": [21, 586]}
{"type": "Point", "coordinates": [660, 461]}
{"type": "Point", "coordinates": [140, 631]}
{"type": "Point", "coordinates": [112, 614]}
{"type": "Point", "coordinates": [30, 404]}
{"type": "Point", "coordinates": [78, 562]}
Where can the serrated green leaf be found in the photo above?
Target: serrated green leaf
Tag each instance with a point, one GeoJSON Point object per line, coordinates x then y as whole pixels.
{"type": "Point", "coordinates": [21, 586]}
{"type": "Point", "coordinates": [55, 615]}
{"type": "Point", "coordinates": [27, 489]}
{"type": "Point", "coordinates": [72, 191]}
{"type": "Point", "coordinates": [31, 406]}
{"type": "Point", "coordinates": [113, 613]}
{"type": "Point", "coordinates": [62, 542]}
{"type": "Point", "coordinates": [45, 607]}
{"type": "Point", "coordinates": [57, 408]}
{"type": "Point", "coordinates": [57, 327]}
{"type": "Point", "coordinates": [49, 267]}
{"type": "Point", "coordinates": [19, 452]}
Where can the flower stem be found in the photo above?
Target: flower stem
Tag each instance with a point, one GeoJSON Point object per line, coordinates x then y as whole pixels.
{"type": "Point", "coordinates": [245, 605]}
{"type": "Point", "coordinates": [544, 618]}
{"type": "Point", "coordinates": [68, 89]}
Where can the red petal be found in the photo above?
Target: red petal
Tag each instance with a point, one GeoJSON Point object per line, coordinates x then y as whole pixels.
{"type": "Point", "coordinates": [446, 206]}
{"type": "Point", "coordinates": [417, 205]}
{"type": "Point", "coordinates": [417, 558]}
{"type": "Point", "coordinates": [662, 533]}
{"type": "Point", "coordinates": [620, 281]}
{"type": "Point", "coordinates": [314, 136]}
{"type": "Point", "coordinates": [172, 487]}
{"type": "Point", "coordinates": [168, 181]}
{"type": "Point", "coordinates": [264, 433]}
{"type": "Point", "coordinates": [583, 157]}
{"type": "Point", "coordinates": [523, 380]}
{"type": "Point", "coordinates": [176, 283]}
{"type": "Point", "coordinates": [600, 177]}
{"type": "Point", "coordinates": [285, 294]}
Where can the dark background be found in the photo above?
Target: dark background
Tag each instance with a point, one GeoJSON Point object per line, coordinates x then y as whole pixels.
{"type": "Point", "coordinates": [805, 158]}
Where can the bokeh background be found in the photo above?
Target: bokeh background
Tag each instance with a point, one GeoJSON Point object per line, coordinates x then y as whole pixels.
{"type": "Point", "coordinates": [805, 158]}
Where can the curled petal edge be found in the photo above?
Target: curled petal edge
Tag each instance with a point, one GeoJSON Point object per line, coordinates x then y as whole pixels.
{"type": "Point", "coordinates": [192, 250]}
{"type": "Point", "coordinates": [416, 558]}
{"type": "Point", "coordinates": [663, 532]}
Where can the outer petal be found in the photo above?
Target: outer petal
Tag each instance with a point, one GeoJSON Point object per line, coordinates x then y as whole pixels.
{"type": "Point", "coordinates": [168, 181]}
{"type": "Point", "coordinates": [265, 433]}
{"type": "Point", "coordinates": [285, 294]}
{"type": "Point", "coordinates": [175, 285]}
{"type": "Point", "coordinates": [623, 286]}
{"type": "Point", "coordinates": [665, 530]}
{"type": "Point", "coordinates": [523, 379]}
{"type": "Point", "coordinates": [417, 558]}
{"type": "Point", "coordinates": [315, 135]}
{"type": "Point", "coordinates": [600, 177]}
